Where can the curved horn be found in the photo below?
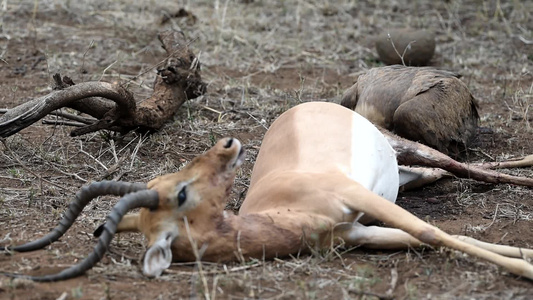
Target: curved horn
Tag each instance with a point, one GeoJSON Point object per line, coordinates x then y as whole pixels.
{"type": "Point", "coordinates": [83, 197]}
{"type": "Point", "coordinates": [145, 198]}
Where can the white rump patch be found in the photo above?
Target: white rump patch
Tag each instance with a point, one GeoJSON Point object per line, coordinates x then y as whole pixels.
{"type": "Point", "coordinates": [373, 161]}
{"type": "Point", "coordinates": [158, 257]}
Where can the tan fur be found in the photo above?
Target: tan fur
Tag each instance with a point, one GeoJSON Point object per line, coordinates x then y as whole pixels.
{"type": "Point", "coordinates": [129, 223]}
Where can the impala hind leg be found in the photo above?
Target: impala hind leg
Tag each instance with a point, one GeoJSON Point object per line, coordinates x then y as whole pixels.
{"type": "Point", "coordinates": [376, 237]}
{"type": "Point", "coordinates": [412, 153]}
{"type": "Point", "coordinates": [415, 177]}
{"type": "Point", "coordinates": [508, 164]}
{"type": "Point", "coordinates": [358, 198]}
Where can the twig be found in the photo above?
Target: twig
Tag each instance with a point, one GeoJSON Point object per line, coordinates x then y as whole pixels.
{"type": "Point", "coordinates": [501, 239]}
{"type": "Point", "coordinates": [63, 172]}
{"type": "Point", "coordinates": [114, 168]}
{"type": "Point", "coordinates": [64, 115]}
{"type": "Point", "coordinates": [523, 40]}
{"type": "Point", "coordinates": [239, 249]}
{"type": "Point", "coordinates": [484, 153]}
{"type": "Point", "coordinates": [114, 150]}
{"type": "Point", "coordinates": [129, 257]}
{"type": "Point", "coordinates": [225, 271]}
{"type": "Point", "coordinates": [107, 68]}
{"type": "Point", "coordinates": [82, 68]}
{"type": "Point", "coordinates": [493, 218]}
{"type": "Point", "coordinates": [260, 123]}
{"type": "Point", "coordinates": [73, 117]}
{"type": "Point", "coordinates": [193, 263]}
{"type": "Point", "coordinates": [363, 293]}
{"type": "Point", "coordinates": [220, 114]}
{"type": "Point", "coordinates": [198, 258]}
{"type": "Point", "coordinates": [393, 281]}
{"type": "Point", "coordinates": [61, 122]}
{"type": "Point", "coordinates": [88, 154]}
{"type": "Point", "coordinates": [394, 47]}
{"type": "Point", "coordinates": [13, 178]}
{"type": "Point", "coordinates": [396, 50]}
{"type": "Point", "coordinates": [136, 149]}
{"type": "Point", "coordinates": [63, 296]}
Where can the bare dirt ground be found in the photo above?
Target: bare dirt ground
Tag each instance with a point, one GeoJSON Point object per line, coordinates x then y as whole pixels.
{"type": "Point", "coordinates": [259, 58]}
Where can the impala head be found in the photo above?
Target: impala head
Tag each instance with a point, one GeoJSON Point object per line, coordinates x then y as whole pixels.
{"type": "Point", "coordinates": [198, 193]}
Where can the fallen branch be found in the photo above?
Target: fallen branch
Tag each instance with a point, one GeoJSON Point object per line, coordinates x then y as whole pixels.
{"type": "Point", "coordinates": [112, 105]}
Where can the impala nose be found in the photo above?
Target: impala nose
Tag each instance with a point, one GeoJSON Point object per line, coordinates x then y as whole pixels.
{"type": "Point", "coordinates": [229, 143]}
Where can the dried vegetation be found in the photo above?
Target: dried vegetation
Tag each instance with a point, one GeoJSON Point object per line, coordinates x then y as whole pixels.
{"type": "Point", "coordinates": [259, 58]}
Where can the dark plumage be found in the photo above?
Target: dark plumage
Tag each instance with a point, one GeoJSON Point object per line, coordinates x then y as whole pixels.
{"type": "Point", "coordinates": [421, 104]}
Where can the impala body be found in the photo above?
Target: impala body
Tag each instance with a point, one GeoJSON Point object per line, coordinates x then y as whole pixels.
{"type": "Point", "coordinates": [307, 155]}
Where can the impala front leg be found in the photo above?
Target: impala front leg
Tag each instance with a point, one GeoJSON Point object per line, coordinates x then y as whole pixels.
{"type": "Point", "coordinates": [416, 177]}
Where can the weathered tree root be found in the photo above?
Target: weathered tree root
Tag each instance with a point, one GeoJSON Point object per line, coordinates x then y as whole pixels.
{"type": "Point", "coordinates": [113, 105]}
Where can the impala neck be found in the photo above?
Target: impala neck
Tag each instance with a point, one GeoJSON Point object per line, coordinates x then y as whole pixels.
{"type": "Point", "coordinates": [234, 237]}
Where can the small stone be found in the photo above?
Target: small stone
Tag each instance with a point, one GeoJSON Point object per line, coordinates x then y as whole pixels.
{"type": "Point", "coordinates": [420, 46]}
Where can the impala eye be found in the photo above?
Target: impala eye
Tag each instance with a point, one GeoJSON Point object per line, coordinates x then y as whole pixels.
{"type": "Point", "coordinates": [182, 196]}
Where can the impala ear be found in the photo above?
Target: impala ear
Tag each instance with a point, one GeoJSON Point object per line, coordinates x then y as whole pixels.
{"type": "Point", "coordinates": [158, 257]}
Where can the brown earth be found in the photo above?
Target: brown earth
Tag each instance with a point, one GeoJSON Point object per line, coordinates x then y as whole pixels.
{"type": "Point", "coordinates": [259, 59]}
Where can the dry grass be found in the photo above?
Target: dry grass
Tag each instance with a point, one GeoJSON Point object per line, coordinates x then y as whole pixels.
{"type": "Point", "coordinates": [259, 58]}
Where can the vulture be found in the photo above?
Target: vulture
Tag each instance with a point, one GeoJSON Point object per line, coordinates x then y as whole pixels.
{"type": "Point", "coordinates": [425, 105]}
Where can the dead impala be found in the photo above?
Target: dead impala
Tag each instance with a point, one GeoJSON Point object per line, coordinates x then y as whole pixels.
{"type": "Point", "coordinates": [322, 174]}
